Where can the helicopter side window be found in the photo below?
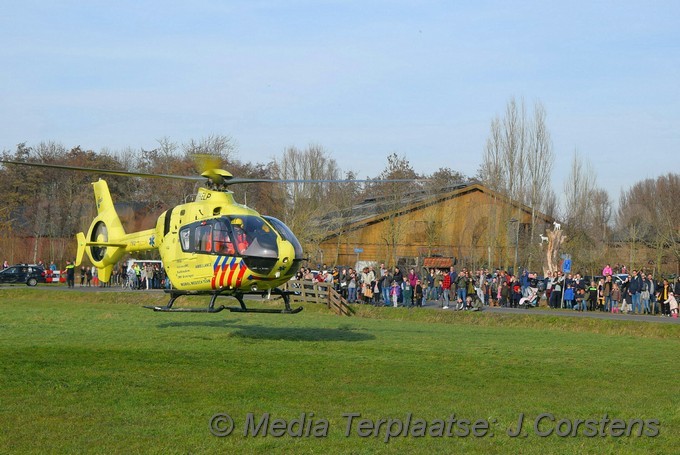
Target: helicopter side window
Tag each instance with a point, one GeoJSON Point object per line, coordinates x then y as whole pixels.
{"type": "Point", "coordinates": [184, 238]}
{"type": "Point", "coordinates": [203, 238]}
{"type": "Point", "coordinates": [222, 241]}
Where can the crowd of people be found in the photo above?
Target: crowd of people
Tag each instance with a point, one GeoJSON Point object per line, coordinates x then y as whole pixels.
{"type": "Point", "coordinates": [635, 293]}
{"type": "Point", "coordinates": [144, 275]}
{"type": "Point", "coordinates": [451, 289]}
{"type": "Point", "coordinates": [135, 276]}
{"type": "Point", "coordinates": [466, 289]}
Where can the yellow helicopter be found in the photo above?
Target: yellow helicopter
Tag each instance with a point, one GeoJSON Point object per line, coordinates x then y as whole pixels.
{"type": "Point", "coordinates": [212, 246]}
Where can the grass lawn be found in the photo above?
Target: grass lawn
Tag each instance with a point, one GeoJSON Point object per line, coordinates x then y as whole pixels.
{"type": "Point", "coordinates": [93, 372]}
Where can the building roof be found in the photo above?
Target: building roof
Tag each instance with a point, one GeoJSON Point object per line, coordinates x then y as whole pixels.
{"type": "Point", "coordinates": [374, 210]}
{"type": "Point", "coordinates": [438, 263]}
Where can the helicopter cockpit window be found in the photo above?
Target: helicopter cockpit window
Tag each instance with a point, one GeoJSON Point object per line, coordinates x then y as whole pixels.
{"type": "Point", "coordinates": [243, 235]}
{"type": "Point", "coordinates": [286, 234]}
{"type": "Point", "coordinates": [253, 236]}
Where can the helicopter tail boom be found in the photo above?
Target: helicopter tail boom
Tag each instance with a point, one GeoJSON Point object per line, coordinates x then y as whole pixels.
{"type": "Point", "coordinates": [106, 241]}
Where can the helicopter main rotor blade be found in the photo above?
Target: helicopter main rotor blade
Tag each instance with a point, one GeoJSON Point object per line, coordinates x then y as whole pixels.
{"type": "Point", "coordinates": [216, 175]}
{"type": "Point", "coordinates": [105, 171]}
{"type": "Point", "coordinates": [342, 180]}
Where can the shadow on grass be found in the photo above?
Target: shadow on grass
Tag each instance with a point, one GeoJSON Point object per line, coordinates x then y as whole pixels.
{"type": "Point", "coordinates": [217, 323]}
{"type": "Point", "coordinates": [260, 332]}
{"type": "Point", "coordinates": [301, 334]}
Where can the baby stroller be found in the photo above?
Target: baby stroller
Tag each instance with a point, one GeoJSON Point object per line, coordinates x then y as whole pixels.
{"type": "Point", "coordinates": [530, 300]}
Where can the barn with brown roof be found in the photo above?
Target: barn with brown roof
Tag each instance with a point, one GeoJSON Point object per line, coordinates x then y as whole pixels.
{"type": "Point", "coordinates": [467, 223]}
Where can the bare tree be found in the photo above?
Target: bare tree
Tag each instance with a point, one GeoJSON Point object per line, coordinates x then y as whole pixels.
{"type": "Point", "coordinates": [392, 194]}
{"type": "Point", "coordinates": [305, 202]}
{"type": "Point", "coordinates": [493, 170]}
{"type": "Point", "coordinates": [517, 162]}
{"type": "Point", "coordinates": [647, 217]}
{"type": "Point", "coordinates": [578, 189]}
{"type": "Point", "coordinates": [223, 147]}
{"type": "Point", "coordinates": [539, 163]}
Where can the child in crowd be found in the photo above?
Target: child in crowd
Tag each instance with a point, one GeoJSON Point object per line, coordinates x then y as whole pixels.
{"type": "Point", "coordinates": [569, 297]}
{"type": "Point", "coordinates": [615, 297]}
{"type": "Point", "coordinates": [673, 304]}
{"type": "Point", "coordinates": [406, 292]}
{"type": "Point", "coordinates": [395, 293]}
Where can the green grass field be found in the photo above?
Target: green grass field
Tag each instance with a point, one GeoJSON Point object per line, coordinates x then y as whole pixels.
{"type": "Point", "coordinates": [86, 372]}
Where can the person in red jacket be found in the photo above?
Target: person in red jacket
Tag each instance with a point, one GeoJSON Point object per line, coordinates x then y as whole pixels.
{"type": "Point", "coordinates": [446, 288]}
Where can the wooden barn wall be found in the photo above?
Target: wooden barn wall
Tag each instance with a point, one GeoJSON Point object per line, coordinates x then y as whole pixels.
{"type": "Point", "coordinates": [471, 226]}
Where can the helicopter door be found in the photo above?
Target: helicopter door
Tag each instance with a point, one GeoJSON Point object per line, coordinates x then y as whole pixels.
{"type": "Point", "coordinates": [223, 243]}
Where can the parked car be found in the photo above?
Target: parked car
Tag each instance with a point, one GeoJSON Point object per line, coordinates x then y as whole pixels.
{"type": "Point", "coordinates": [28, 274]}
{"type": "Point", "coordinates": [595, 278]}
{"type": "Point", "coordinates": [619, 278]}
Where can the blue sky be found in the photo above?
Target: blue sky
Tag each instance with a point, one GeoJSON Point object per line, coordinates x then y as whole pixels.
{"type": "Point", "coordinates": [364, 79]}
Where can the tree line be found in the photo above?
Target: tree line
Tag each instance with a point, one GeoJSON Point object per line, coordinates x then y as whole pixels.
{"type": "Point", "coordinates": [47, 203]}
{"type": "Point", "coordinates": [642, 231]}
{"type": "Point", "coordinates": [516, 162]}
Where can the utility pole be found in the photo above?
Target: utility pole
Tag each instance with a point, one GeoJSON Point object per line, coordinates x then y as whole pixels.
{"type": "Point", "coordinates": [516, 222]}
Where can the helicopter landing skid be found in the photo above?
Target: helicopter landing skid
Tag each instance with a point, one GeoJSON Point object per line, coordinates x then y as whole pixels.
{"type": "Point", "coordinates": [174, 294]}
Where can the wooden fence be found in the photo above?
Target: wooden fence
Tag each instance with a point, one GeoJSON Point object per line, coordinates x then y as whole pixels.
{"type": "Point", "coordinates": [314, 292]}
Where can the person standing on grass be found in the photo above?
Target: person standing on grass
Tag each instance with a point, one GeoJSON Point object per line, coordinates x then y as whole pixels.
{"type": "Point", "coordinates": [395, 293]}
{"type": "Point", "coordinates": [569, 297]}
{"type": "Point", "coordinates": [70, 274]}
{"type": "Point", "coordinates": [407, 292]}
{"type": "Point", "coordinates": [662, 296]}
{"type": "Point", "coordinates": [634, 289]}
{"type": "Point", "coordinates": [672, 304]}
{"type": "Point", "coordinates": [625, 302]}
{"type": "Point", "coordinates": [384, 285]}
{"type": "Point", "coordinates": [652, 293]}
{"type": "Point", "coordinates": [412, 278]}
{"type": "Point", "coordinates": [645, 294]}
{"type": "Point", "coordinates": [592, 296]}
{"type": "Point", "coordinates": [524, 281]}
{"type": "Point", "coordinates": [556, 294]}
{"type": "Point", "coordinates": [461, 285]}
{"type": "Point", "coordinates": [600, 295]}
{"type": "Point", "coordinates": [504, 295]}
{"type": "Point", "coordinates": [430, 291]}
{"type": "Point", "coordinates": [351, 286]}
{"type": "Point", "coordinates": [446, 288]}
{"type": "Point", "coordinates": [614, 298]}
{"type": "Point", "coordinates": [606, 292]}
{"type": "Point", "coordinates": [418, 294]}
